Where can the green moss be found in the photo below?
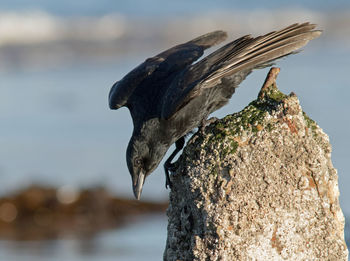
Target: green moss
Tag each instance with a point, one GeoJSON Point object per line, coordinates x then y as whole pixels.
{"type": "Point", "coordinates": [225, 151]}
{"type": "Point", "coordinates": [311, 124]}
{"type": "Point", "coordinates": [248, 119]}
{"type": "Point", "coordinates": [276, 94]}
{"type": "Point", "coordinates": [272, 93]}
{"type": "Point", "coordinates": [234, 146]}
{"type": "Point", "coordinates": [220, 125]}
{"type": "Point", "coordinates": [251, 120]}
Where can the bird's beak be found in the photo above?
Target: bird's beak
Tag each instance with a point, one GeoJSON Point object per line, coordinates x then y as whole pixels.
{"type": "Point", "coordinates": [138, 184]}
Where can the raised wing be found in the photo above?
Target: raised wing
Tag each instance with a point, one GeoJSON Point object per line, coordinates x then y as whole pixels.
{"type": "Point", "coordinates": [166, 63]}
{"type": "Point", "coordinates": [243, 54]}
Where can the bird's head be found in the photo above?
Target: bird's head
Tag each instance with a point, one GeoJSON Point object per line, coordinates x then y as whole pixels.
{"type": "Point", "coordinates": [141, 159]}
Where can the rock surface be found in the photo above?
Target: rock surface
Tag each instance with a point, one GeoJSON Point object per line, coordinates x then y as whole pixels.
{"type": "Point", "coordinates": [257, 185]}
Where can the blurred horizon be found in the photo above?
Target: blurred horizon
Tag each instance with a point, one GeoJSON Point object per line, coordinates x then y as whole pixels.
{"type": "Point", "coordinates": [44, 40]}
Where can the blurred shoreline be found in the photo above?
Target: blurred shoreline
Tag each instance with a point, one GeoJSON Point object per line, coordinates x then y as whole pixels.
{"type": "Point", "coordinates": [42, 40]}
{"type": "Point", "coordinates": [43, 213]}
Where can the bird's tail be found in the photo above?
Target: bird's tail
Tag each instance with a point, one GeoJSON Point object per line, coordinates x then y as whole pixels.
{"type": "Point", "coordinates": [247, 53]}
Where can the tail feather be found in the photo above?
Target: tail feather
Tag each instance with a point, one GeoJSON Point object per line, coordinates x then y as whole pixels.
{"type": "Point", "coordinates": [271, 39]}
{"type": "Point", "coordinates": [248, 53]}
{"type": "Point", "coordinates": [264, 54]}
{"type": "Point", "coordinates": [288, 31]}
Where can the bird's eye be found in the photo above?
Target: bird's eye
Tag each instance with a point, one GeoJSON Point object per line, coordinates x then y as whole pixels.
{"type": "Point", "coordinates": [138, 162]}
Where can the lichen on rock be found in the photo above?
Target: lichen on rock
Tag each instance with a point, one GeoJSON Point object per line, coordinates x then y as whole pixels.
{"type": "Point", "coordinates": [257, 185]}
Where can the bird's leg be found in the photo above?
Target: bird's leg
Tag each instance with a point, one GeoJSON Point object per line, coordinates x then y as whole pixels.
{"type": "Point", "coordinates": [168, 166]}
{"type": "Point", "coordinates": [206, 122]}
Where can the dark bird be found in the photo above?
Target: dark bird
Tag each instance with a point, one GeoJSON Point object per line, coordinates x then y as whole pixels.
{"type": "Point", "coordinates": [169, 95]}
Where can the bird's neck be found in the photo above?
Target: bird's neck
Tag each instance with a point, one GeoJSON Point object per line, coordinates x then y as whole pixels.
{"type": "Point", "coordinates": [151, 135]}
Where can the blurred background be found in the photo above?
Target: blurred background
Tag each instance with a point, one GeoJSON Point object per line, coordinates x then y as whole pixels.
{"type": "Point", "coordinates": [60, 144]}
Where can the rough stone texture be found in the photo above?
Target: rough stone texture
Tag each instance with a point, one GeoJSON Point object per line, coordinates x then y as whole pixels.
{"type": "Point", "coordinates": [257, 185]}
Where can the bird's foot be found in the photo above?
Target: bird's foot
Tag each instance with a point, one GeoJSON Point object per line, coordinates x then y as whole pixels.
{"type": "Point", "coordinates": [170, 168]}
{"type": "Point", "coordinates": [168, 183]}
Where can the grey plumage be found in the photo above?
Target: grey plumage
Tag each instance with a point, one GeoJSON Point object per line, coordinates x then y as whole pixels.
{"type": "Point", "coordinates": [169, 95]}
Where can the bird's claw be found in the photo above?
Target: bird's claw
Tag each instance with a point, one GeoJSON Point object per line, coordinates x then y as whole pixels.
{"type": "Point", "coordinates": [169, 169]}
{"type": "Point", "coordinates": [172, 167]}
{"type": "Point", "coordinates": [168, 183]}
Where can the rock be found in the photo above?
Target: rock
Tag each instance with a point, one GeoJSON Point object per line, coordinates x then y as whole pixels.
{"type": "Point", "coordinates": [257, 185]}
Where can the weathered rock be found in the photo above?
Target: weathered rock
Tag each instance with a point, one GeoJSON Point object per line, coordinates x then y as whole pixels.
{"type": "Point", "coordinates": [257, 185]}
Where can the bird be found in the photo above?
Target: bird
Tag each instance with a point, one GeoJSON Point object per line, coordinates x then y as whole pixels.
{"type": "Point", "coordinates": [173, 93]}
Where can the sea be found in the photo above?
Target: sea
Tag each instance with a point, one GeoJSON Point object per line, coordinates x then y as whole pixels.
{"type": "Point", "coordinates": [58, 60]}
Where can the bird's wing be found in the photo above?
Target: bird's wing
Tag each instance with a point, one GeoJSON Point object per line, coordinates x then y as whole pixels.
{"type": "Point", "coordinates": [243, 54]}
{"type": "Point", "coordinates": [168, 62]}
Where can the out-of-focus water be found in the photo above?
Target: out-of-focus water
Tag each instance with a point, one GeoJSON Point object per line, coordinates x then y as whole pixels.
{"type": "Point", "coordinates": [141, 240]}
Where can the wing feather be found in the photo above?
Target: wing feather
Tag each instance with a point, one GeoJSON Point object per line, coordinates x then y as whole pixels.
{"type": "Point", "coordinates": [243, 54]}
{"type": "Point", "coordinates": [169, 62]}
